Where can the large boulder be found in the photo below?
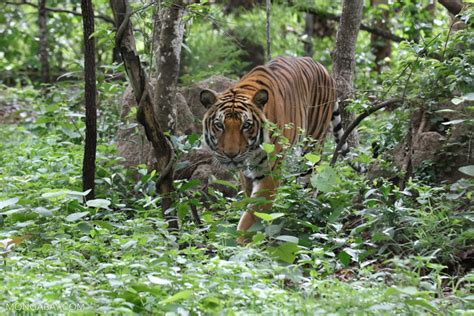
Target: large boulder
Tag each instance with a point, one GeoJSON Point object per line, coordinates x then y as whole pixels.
{"type": "Point", "coordinates": [439, 143]}
{"type": "Point", "coordinates": [192, 92]}
{"type": "Point", "coordinates": [135, 148]}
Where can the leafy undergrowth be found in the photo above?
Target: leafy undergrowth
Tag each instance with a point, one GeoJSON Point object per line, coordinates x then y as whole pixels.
{"type": "Point", "coordinates": [360, 247]}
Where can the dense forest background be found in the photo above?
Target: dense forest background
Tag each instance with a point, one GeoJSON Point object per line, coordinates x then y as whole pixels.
{"type": "Point", "coordinates": [108, 204]}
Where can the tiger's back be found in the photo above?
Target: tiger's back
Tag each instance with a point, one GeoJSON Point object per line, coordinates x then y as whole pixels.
{"type": "Point", "coordinates": [301, 92]}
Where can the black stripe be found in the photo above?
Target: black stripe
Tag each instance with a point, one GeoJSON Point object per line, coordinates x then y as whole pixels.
{"type": "Point", "coordinates": [259, 177]}
{"type": "Point", "coordinates": [337, 128]}
{"type": "Point", "coordinates": [262, 160]}
{"type": "Point", "coordinates": [335, 113]}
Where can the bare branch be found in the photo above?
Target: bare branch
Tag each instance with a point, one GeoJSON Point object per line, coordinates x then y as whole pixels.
{"type": "Point", "coordinates": [364, 27]}
{"type": "Point", "coordinates": [357, 121]}
{"type": "Point", "coordinates": [59, 10]}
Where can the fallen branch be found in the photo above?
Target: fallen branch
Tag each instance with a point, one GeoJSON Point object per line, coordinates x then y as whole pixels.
{"type": "Point", "coordinates": [356, 122]}
{"type": "Point", "coordinates": [58, 10]}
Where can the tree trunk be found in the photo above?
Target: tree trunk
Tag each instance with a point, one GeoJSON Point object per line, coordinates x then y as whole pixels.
{"type": "Point", "coordinates": [344, 59]}
{"type": "Point", "coordinates": [167, 55]}
{"type": "Point", "coordinates": [146, 115]}
{"type": "Point", "coordinates": [308, 32]}
{"type": "Point", "coordinates": [43, 41]}
{"type": "Point", "coordinates": [88, 167]}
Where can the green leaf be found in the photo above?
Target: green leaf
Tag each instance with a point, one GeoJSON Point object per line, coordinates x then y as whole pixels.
{"type": "Point", "coordinates": [288, 238]}
{"type": "Point", "coordinates": [258, 237]}
{"type": "Point", "coordinates": [325, 180]}
{"type": "Point", "coordinates": [193, 138]}
{"type": "Point", "coordinates": [182, 295]}
{"type": "Point", "coordinates": [188, 185]}
{"type": "Point", "coordinates": [75, 216]}
{"type": "Point", "coordinates": [285, 252]}
{"type": "Point", "coordinates": [98, 203]}
{"type": "Point", "coordinates": [408, 290]}
{"type": "Point", "coordinates": [182, 210]}
{"type": "Point", "coordinates": [156, 280]}
{"type": "Point", "coordinates": [84, 227]}
{"type": "Point", "coordinates": [225, 183]}
{"type": "Point", "coordinates": [345, 258]}
{"type": "Point", "coordinates": [104, 224]}
{"type": "Point", "coordinates": [43, 211]}
{"type": "Point", "coordinates": [313, 158]}
{"type": "Point", "coordinates": [268, 148]}
{"type": "Point", "coordinates": [269, 217]}
{"type": "Point", "coordinates": [63, 193]}
{"type": "Point", "coordinates": [423, 303]}
{"type": "Point", "coordinates": [129, 244]}
{"type": "Point", "coordinates": [8, 202]}
{"type": "Point", "coordinates": [469, 170]}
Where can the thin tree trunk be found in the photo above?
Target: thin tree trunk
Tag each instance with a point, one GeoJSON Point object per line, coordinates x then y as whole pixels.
{"type": "Point", "coordinates": [343, 58]}
{"type": "Point", "coordinates": [43, 41]}
{"type": "Point", "coordinates": [308, 32]}
{"type": "Point", "coordinates": [146, 115]}
{"type": "Point", "coordinates": [167, 55]}
{"type": "Point", "coordinates": [88, 169]}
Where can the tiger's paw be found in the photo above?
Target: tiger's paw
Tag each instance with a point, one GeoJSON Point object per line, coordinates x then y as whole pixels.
{"type": "Point", "coordinates": [242, 240]}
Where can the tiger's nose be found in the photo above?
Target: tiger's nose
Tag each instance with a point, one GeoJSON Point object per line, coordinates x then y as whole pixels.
{"type": "Point", "coordinates": [232, 155]}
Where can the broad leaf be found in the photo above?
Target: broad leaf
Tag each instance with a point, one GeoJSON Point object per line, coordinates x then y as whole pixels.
{"type": "Point", "coordinates": [268, 217]}
{"type": "Point", "coordinates": [8, 202]}
{"type": "Point", "coordinates": [287, 238]}
{"type": "Point", "coordinates": [156, 280]}
{"type": "Point", "coordinates": [285, 252]}
{"type": "Point", "coordinates": [75, 216]}
{"type": "Point", "coordinates": [469, 170]}
{"type": "Point", "coordinates": [325, 180]}
{"type": "Point", "coordinates": [182, 295]}
{"type": "Point", "coordinates": [268, 148]}
{"type": "Point", "coordinates": [98, 203]}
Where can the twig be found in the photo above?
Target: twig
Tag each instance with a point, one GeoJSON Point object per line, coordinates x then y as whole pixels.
{"type": "Point", "coordinates": [356, 122]}
{"type": "Point", "coordinates": [195, 215]}
{"type": "Point", "coordinates": [58, 10]}
{"type": "Point", "coordinates": [364, 27]}
{"type": "Point", "coordinates": [447, 38]}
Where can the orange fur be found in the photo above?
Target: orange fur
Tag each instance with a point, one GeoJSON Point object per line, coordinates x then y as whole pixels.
{"type": "Point", "coordinates": [287, 90]}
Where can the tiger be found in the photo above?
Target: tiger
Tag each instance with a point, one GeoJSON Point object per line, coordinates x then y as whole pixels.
{"type": "Point", "coordinates": [287, 91]}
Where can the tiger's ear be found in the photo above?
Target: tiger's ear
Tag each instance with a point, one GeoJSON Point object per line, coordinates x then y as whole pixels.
{"type": "Point", "coordinates": [208, 97]}
{"type": "Point", "coordinates": [260, 98]}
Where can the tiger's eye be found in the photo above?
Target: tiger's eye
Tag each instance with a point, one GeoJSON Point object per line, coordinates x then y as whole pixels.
{"type": "Point", "coordinates": [247, 125]}
{"type": "Point", "coordinates": [219, 125]}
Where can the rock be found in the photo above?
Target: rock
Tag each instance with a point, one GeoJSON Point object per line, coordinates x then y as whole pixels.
{"type": "Point", "coordinates": [191, 94]}
{"type": "Point", "coordinates": [425, 147]}
{"type": "Point", "coordinates": [198, 164]}
{"type": "Point", "coordinates": [131, 141]}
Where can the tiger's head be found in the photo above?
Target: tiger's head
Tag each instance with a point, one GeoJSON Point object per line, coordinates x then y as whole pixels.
{"type": "Point", "coordinates": [233, 125]}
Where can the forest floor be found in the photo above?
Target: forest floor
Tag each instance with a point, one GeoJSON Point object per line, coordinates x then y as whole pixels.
{"type": "Point", "coordinates": [114, 254]}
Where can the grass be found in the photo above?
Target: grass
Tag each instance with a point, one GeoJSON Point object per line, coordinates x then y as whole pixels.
{"type": "Point", "coordinates": [116, 256]}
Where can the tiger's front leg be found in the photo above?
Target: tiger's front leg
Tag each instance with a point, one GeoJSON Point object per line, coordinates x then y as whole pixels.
{"type": "Point", "coordinates": [261, 188]}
